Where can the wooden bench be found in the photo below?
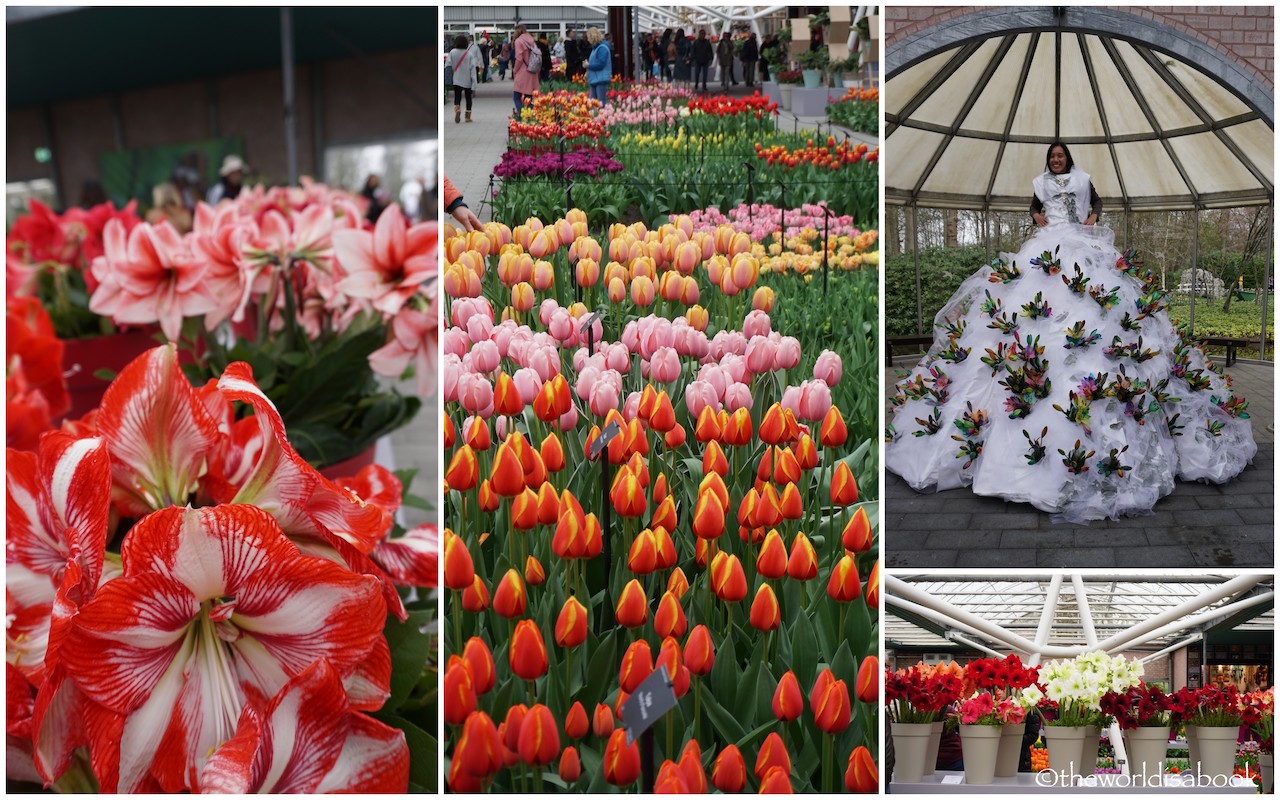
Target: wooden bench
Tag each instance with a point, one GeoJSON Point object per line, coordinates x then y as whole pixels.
{"type": "Point", "coordinates": [1229, 342]}
{"type": "Point", "coordinates": [891, 342]}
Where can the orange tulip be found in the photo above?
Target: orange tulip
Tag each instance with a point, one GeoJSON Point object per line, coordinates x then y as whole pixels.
{"type": "Point", "coordinates": [539, 738]}
{"type": "Point", "coordinates": [674, 438]}
{"type": "Point", "coordinates": [506, 398]}
{"type": "Point", "coordinates": [480, 660]}
{"type": "Point", "coordinates": [727, 579]}
{"type": "Point", "coordinates": [475, 598]}
{"type": "Point", "coordinates": [669, 657]}
{"type": "Point", "coordinates": [632, 608]}
{"type": "Point", "coordinates": [873, 586]}
{"type": "Point", "coordinates": [544, 404]}
{"type": "Point", "coordinates": [575, 722]}
{"type": "Point", "coordinates": [552, 452]}
{"type": "Point", "coordinates": [786, 467]}
{"type": "Point", "coordinates": [862, 776]}
{"type": "Point", "coordinates": [747, 508]}
{"type": "Point", "coordinates": [665, 548]}
{"type": "Point", "coordinates": [708, 516]}
{"type": "Point", "coordinates": [833, 432]}
{"type": "Point", "coordinates": [660, 494]}
{"type": "Point", "coordinates": [602, 720]}
{"type": "Point", "coordinates": [713, 460]}
{"type": "Point", "coordinates": [857, 536]}
{"type": "Point", "coordinates": [769, 508]}
{"type": "Point", "coordinates": [570, 764]}
{"type": "Point", "coordinates": [528, 654]}
{"type": "Point", "coordinates": [678, 584]}
{"type": "Point", "coordinates": [486, 497]}
{"type": "Point", "coordinates": [510, 599]}
{"type": "Point", "coordinates": [764, 470]}
{"type": "Point", "coordinates": [775, 781]}
{"type": "Point", "coordinates": [548, 504]}
{"type": "Point", "coordinates": [535, 472]}
{"type": "Point", "coordinates": [571, 625]}
{"type": "Point", "coordinates": [773, 753]}
{"type": "Point", "coordinates": [459, 571]}
{"type": "Point", "coordinates": [627, 495]}
{"type": "Point", "coordinates": [665, 514]}
{"type": "Point", "coordinates": [830, 703]}
{"type": "Point", "coordinates": [479, 750]}
{"type": "Point", "coordinates": [464, 469]}
{"type": "Point", "coordinates": [524, 510]}
{"type": "Point", "coordinates": [691, 765]}
{"type": "Point", "coordinates": [507, 476]}
{"type": "Point", "coordinates": [712, 482]}
{"type": "Point", "coordinates": [788, 703]}
{"type": "Point", "coordinates": [806, 452]}
{"type": "Point", "coordinates": [773, 428]}
{"type": "Point", "coordinates": [699, 653]}
{"type": "Point", "coordinates": [868, 684]}
{"type": "Point", "coordinates": [459, 691]}
{"type": "Point", "coordinates": [621, 760]}
{"type": "Point", "coordinates": [570, 537]}
{"type": "Point", "coordinates": [763, 299]}
{"type": "Point", "coordinates": [648, 397]}
{"type": "Point", "coordinates": [595, 537]}
{"type": "Point", "coordinates": [587, 272]}
{"type": "Point", "coordinates": [738, 430]}
{"type": "Point", "coordinates": [708, 426]}
{"type": "Point", "coordinates": [643, 557]}
{"type": "Point", "coordinates": [790, 505]}
{"type": "Point", "coordinates": [670, 619]}
{"type": "Point", "coordinates": [844, 487]}
{"type": "Point", "coordinates": [772, 560]}
{"type": "Point", "coordinates": [450, 432]}
{"type": "Point", "coordinates": [765, 614]}
{"type": "Point", "coordinates": [844, 585]}
{"type": "Point", "coordinates": [663, 418]}
{"type": "Point", "coordinates": [729, 773]}
{"type": "Point", "coordinates": [637, 664]}
{"type": "Point", "coordinates": [803, 563]}
{"type": "Point", "coordinates": [476, 434]}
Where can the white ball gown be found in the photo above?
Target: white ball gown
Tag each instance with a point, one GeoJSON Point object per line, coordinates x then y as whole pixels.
{"type": "Point", "coordinates": [1056, 378]}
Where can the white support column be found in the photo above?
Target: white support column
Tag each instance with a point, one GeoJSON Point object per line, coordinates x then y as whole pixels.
{"type": "Point", "coordinates": [1187, 642]}
{"type": "Point", "coordinates": [1129, 637]}
{"type": "Point", "coordinates": [967, 642]}
{"type": "Point", "coordinates": [1046, 619]}
{"type": "Point", "coordinates": [1086, 616]}
{"type": "Point", "coordinates": [933, 616]}
{"type": "Point", "coordinates": [1192, 622]}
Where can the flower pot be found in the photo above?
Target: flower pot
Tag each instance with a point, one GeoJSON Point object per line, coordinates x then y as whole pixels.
{"type": "Point", "coordinates": [931, 756]}
{"type": "Point", "coordinates": [348, 468]}
{"type": "Point", "coordinates": [980, 745]}
{"type": "Point", "coordinates": [1147, 749]}
{"type": "Point", "coordinates": [1010, 750]}
{"type": "Point", "coordinates": [1089, 751]}
{"type": "Point", "coordinates": [812, 78]}
{"type": "Point", "coordinates": [81, 358]}
{"type": "Point", "coordinates": [1217, 751]}
{"type": "Point", "coordinates": [1265, 769]}
{"type": "Point", "coordinates": [1065, 747]}
{"type": "Point", "coordinates": [1193, 747]}
{"type": "Point", "coordinates": [910, 743]}
{"type": "Point", "coordinates": [784, 89]}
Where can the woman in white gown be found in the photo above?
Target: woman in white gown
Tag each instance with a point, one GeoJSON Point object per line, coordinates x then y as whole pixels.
{"type": "Point", "coordinates": [1056, 377]}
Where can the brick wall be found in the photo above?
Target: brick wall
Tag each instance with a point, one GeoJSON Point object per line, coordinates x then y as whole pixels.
{"type": "Point", "coordinates": [1244, 33]}
{"type": "Point", "coordinates": [363, 99]}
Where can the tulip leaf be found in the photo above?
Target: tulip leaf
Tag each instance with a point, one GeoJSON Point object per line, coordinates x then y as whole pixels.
{"type": "Point", "coordinates": [804, 651]}
{"type": "Point", "coordinates": [410, 651]}
{"type": "Point", "coordinates": [766, 685]}
{"type": "Point", "coordinates": [726, 723]}
{"type": "Point", "coordinates": [601, 672]}
{"type": "Point", "coordinates": [724, 675]}
{"type": "Point", "coordinates": [845, 667]}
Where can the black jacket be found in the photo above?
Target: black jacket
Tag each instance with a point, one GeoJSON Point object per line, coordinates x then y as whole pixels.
{"type": "Point", "coordinates": [702, 52]}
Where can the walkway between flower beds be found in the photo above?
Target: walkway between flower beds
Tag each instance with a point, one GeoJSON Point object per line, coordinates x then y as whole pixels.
{"type": "Point", "coordinates": [472, 151]}
{"type": "Point", "coordinates": [1198, 525]}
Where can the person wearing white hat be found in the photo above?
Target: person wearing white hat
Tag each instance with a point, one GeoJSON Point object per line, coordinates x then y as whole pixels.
{"type": "Point", "coordinates": [232, 176]}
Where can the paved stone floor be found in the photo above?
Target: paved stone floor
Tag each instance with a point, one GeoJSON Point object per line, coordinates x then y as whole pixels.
{"type": "Point", "coordinates": [1198, 525]}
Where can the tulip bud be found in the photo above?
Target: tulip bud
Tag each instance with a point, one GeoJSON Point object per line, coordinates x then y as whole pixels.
{"type": "Point", "coordinates": [691, 766]}
{"type": "Point", "coordinates": [637, 664]}
{"type": "Point", "coordinates": [776, 780]}
{"type": "Point", "coordinates": [576, 724]}
{"type": "Point", "coordinates": [773, 753]}
{"type": "Point", "coordinates": [862, 774]}
{"type": "Point", "coordinates": [844, 585]}
{"type": "Point", "coordinates": [480, 660]}
{"type": "Point", "coordinates": [729, 773]}
{"type": "Point", "coordinates": [803, 563]}
{"type": "Point", "coordinates": [459, 692]}
{"type": "Point", "coordinates": [868, 684]}
{"type": "Point", "coordinates": [621, 760]}
{"type": "Point", "coordinates": [479, 750]}
{"type": "Point", "coordinates": [857, 536]}
{"type": "Point", "coordinates": [788, 703]}
{"type": "Point", "coordinates": [464, 469]}
{"type": "Point", "coordinates": [699, 653]}
{"type": "Point", "coordinates": [475, 598]}
{"type": "Point", "coordinates": [831, 709]}
{"type": "Point", "coordinates": [833, 432]}
{"type": "Point", "coordinates": [570, 764]}
{"type": "Point", "coordinates": [765, 614]}
{"type": "Point", "coordinates": [510, 599]}
{"type": "Point", "coordinates": [873, 586]}
{"type": "Point", "coordinates": [708, 516]}
{"type": "Point", "coordinates": [632, 609]}
{"type": "Point", "coordinates": [528, 654]}
{"type": "Point", "coordinates": [539, 742]}
{"type": "Point", "coordinates": [571, 626]}
{"type": "Point", "coordinates": [678, 584]}
{"type": "Point", "coordinates": [643, 556]}
{"type": "Point", "coordinates": [844, 488]}
{"type": "Point", "coordinates": [459, 571]}
{"type": "Point", "coordinates": [727, 579]}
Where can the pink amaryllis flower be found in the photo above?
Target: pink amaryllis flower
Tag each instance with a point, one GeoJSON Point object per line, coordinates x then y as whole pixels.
{"type": "Point", "coordinates": [149, 275]}
{"type": "Point", "coordinates": [414, 337]}
{"type": "Point", "coordinates": [388, 265]}
{"type": "Point", "coordinates": [216, 606]}
{"type": "Point", "coordinates": [307, 740]}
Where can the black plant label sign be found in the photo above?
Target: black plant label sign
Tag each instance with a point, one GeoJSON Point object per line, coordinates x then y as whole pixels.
{"type": "Point", "coordinates": [651, 699]}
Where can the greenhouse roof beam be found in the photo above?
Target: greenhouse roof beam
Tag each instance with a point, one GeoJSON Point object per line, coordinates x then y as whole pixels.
{"type": "Point", "coordinates": [963, 54]}
{"type": "Point", "coordinates": [1206, 618]}
{"type": "Point", "coordinates": [1187, 642]}
{"type": "Point", "coordinates": [1046, 618]}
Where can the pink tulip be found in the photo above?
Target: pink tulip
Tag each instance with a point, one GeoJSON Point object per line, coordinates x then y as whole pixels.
{"type": "Point", "coordinates": [544, 275]}
{"type": "Point", "coordinates": [814, 401]}
{"type": "Point", "coordinates": [545, 361]}
{"type": "Point", "coordinates": [604, 396]}
{"type": "Point", "coordinates": [791, 399]}
{"type": "Point", "coordinates": [698, 395]}
{"type": "Point", "coordinates": [450, 371]}
{"type": "Point", "coordinates": [762, 355]}
{"type": "Point", "coordinates": [528, 384]}
{"type": "Point", "coordinates": [735, 366]}
{"type": "Point", "coordinates": [737, 396]}
{"type": "Point", "coordinates": [588, 377]}
{"type": "Point", "coordinates": [484, 356]}
{"type": "Point", "coordinates": [479, 328]}
{"type": "Point", "coordinates": [664, 367]}
{"type": "Point", "coordinates": [757, 323]}
{"type": "Point", "coordinates": [464, 308]}
{"type": "Point", "coordinates": [788, 354]}
{"type": "Point", "coordinates": [828, 368]}
{"type": "Point", "coordinates": [501, 336]}
{"type": "Point", "coordinates": [560, 326]}
{"type": "Point", "coordinates": [631, 406]}
{"type": "Point", "coordinates": [475, 393]}
{"type": "Point", "coordinates": [455, 342]}
{"type": "Point", "coordinates": [545, 309]}
{"type": "Point", "coordinates": [618, 358]}
{"type": "Point", "coordinates": [714, 375]}
{"type": "Point", "coordinates": [569, 419]}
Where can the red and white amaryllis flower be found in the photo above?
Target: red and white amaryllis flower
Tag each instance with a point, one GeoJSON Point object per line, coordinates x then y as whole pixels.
{"type": "Point", "coordinates": [216, 606]}
{"type": "Point", "coordinates": [308, 740]}
{"type": "Point", "coordinates": [389, 265]}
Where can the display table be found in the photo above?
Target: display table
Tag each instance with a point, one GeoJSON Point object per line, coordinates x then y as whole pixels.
{"type": "Point", "coordinates": [813, 102]}
{"type": "Point", "coordinates": [1028, 783]}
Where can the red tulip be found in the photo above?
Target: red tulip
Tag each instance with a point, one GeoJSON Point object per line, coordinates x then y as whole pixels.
{"type": "Point", "coordinates": [738, 432]}
{"type": "Point", "coordinates": [663, 418]}
{"type": "Point", "coordinates": [602, 720]}
{"type": "Point", "coordinates": [665, 547]}
{"type": "Point", "coordinates": [627, 495]}
{"type": "Point", "coordinates": [552, 452]}
{"type": "Point", "coordinates": [773, 428]}
{"type": "Point", "coordinates": [765, 614]}
{"type": "Point", "coordinates": [708, 516]}
{"type": "Point", "coordinates": [873, 586]}
{"type": "Point", "coordinates": [844, 586]}
{"type": "Point", "coordinates": [509, 730]}
{"type": "Point", "coordinates": [665, 514]}
{"type": "Point", "coordinates": [539, 739]}
{"type": "Point", "coordinates": [691, 766]}
{"type": "Point", "coordinates": [868, 684]}
{"type": "Point", "coordinates": [713, 460]}
{"type": "Point", "coordinates": [506, 398]}
{"type": "Point", "coordinates": [830, 703]}
{"type": "Point", "coordinates": [675, 437]}
{"type": "Point", "coordinates": [621, 760]}
{"type": "Point", "coordinates": [729, 772]}
{"type": "Point", "coordinates": [773, 753]}
{"type": "Point", "coordinates": [747, 508]}
{"type": "Point", "coordinates": [786, 467]}
{"type": "Point", "coordinates": [476, 434]}
{"type": "Point", "coordinates": [642, 559]}
{"type": "Point", "coordinates": [714, 483]}
{"type": "Point", "coordinates": [459, 692]}
{"type": "Point", "coordinates": [678, 584]}
{"type": "Point", "coordinates": [506, 478]}
{"type": "Point", "coordinates": [450, 432]}
{"type": "Point", "coordinates": [862, 775]}
{"type": "Point", "coordinates": [803, 563]}
{"type": "Point", "coordinates": [632, 608]}
{"type": "Point", "coordinates": [708, 426]}
{"type": "Point", "coordinates": [790, 505]}
{"type": "Point", "coordinates": [570, 537]}
{"type": "Point", "coordinates": [459, 571]}
{"type": "Point", "coordinates": [571, 626]}
{"type": "Point", "coordinates": [524, 510]}
{"type": "Point", "coordinates": [844, 487]}
{"type": "Point", "coordinates": [475, 598]}
{"type": "Point", "coordinates": [637, 664]}
{"type": "Point", "coordinates": [727, 579]}
{"type": "Point", "coordinates": [528, 654]}
{"type": "Point", "coordinates": [510, 599]}
{"type": "Point", "coordinates": [772, 560]}
{"type": "Point", "coordinates": [484, 675]}
{"type": "Point", "coordinates": [575, 722]}
{"type": "Point", "coordinates": [548, 504]}
{"type": "Point", "coordinates": [833, 432]}
{"type": "Point", "coordinates": [670, 779]}
{"type": "Point", "coordinates": [806, 452]}
{"type": "Point", "coordinates": [670, 619]}
{"type": "Point", "coordinates": [479, 750]}
{"type": "Point", "coordinates": [699, 652]}
{"type": "Point", "coordinates": [464, 469]}
{"type": "Point", "coordinates": [570, 766]}
{"type": "Point", "coordinates": [788, 703]}
{"type": "Point", "coordinates": [776, 781]}
{"type": "Point", "coordinates": [857, 535]}
{"type": "Point", "coordinates": [669, 656]}
{"type": "Point", "coordinates": [769, 508]}
{"type": "Point", "coordinates": [486, 497]}
{"type": "Point", "coordinates": [460, 780]}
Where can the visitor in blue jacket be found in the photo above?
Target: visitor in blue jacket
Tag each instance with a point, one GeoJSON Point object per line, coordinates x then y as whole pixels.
{"type": "Point", "coordinates": [599, 66]}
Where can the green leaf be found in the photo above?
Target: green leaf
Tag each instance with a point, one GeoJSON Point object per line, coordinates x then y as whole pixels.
{"type": "Point", "coordinates": [725, 721]}
{"type": "Point", "coordinates": [423, 752]}
{"type": "Point", "coordinates": [804, 651]}
{"type": "Point", "coordinates": [410, 651]}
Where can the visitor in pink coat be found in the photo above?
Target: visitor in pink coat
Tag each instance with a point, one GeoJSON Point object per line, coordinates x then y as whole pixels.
{"type": "Point", "coordinates": [526, 82]}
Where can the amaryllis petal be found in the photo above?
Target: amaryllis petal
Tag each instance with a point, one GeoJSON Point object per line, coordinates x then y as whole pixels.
{"type": "Point", "coordinates": [412, 559]}
{"type": "Point", "coordinates": [158, 433]}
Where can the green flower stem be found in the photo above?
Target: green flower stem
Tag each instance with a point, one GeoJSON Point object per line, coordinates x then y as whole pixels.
{"type": "Point", "coordinates": [827, 758]}
{"type": "Point", "coordinates": [457, 622]}
{"type": "Point", "coordinates": [697, 707]}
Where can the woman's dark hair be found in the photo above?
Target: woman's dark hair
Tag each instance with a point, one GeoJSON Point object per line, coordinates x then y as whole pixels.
{"type": "Point", "coordinates": [460, 42]}
{"type": "Point", "coordinates": [1065, 151]}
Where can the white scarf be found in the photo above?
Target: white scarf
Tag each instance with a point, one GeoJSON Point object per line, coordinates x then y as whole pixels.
{"type": "Point", "coordinates": [1078, 184]}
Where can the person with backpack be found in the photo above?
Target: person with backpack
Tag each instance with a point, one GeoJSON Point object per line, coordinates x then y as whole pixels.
{"type": "Point", "coordinates": [599, 66]}
{"type": "Point", "coordinates": [463, 58]}
{"type": "Point", "coordinates": [504, 59]}
{"type": "Point", "coordinates": [528, 66]}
